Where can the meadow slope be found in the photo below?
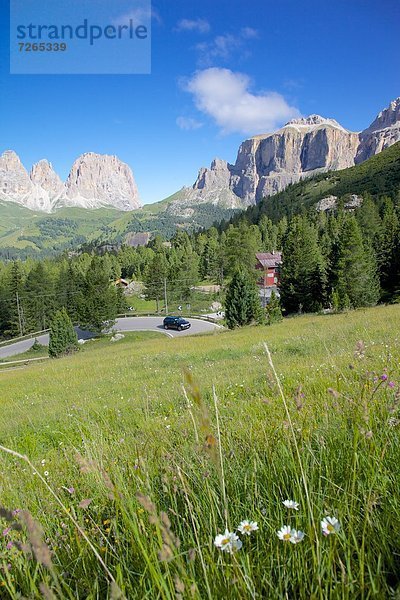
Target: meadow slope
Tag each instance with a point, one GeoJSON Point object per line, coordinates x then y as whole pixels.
{"type": "Point", "coordinates": [150, 476]}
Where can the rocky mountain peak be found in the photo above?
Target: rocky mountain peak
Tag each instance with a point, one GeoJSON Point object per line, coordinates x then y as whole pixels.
{"type": "Point", "coordinates": [314, 121]}
{"type": "Point", "coordinates": [10, 161]}
{"type": "Point", "coordinates": [100, 180]}
{"type": "Point", "coordinates": [43, 175]}
{"type": "Point", "coordinates": [387, 117]}
{"type": "Point", "coordinates": [382, 133]}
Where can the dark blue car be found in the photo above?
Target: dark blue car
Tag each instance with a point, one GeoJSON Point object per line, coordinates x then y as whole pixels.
{"type": "Point", "coordinates": [178, 323]}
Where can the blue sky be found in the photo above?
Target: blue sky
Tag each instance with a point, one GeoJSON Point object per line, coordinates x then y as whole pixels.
{"type": "Point", "coordinates": [221, 71]}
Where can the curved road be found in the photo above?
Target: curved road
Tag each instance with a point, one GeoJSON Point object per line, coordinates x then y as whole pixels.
{"type": "Point", "coordinates": [123, 324]}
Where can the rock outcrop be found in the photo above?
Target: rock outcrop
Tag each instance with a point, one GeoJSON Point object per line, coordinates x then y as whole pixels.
{"type": "Point", "coordinates": [95, 181]}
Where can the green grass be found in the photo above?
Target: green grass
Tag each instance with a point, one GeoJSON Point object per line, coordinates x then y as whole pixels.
{"type": "Point", "coordinates": [29, 354]}
{"type": "Point", "coordinates": [152, 480]}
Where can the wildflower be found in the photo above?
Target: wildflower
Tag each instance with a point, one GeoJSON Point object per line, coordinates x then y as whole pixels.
{"type": "Point", "coordinates": [228, 542]}
{"type": "Point", "coordinates": [384, 377]}
{"type": "Point", "coordinates": [296, 536]}
{"type": "Point", "coordinates": [43, 462]}
{"type": "Point", "coordinates": [285, 533]}
{"type": "Point", "coordinates": [330, 525]}
{"type": "Point", "coordinates": [391, 384]}
{"type": "Point", "coordinates": [246, 527]}
{"type": "Point", "coordinates": [46, 473]}
{"type": "Point", "coordinates": [291, 504]}
{"type": "Point", "coordinates": [70, 490]}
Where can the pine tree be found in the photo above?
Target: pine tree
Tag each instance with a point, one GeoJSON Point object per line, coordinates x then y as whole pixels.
{"type": "Point", "coordinates": [242, 304]}
{"type": "Point", "coordinates": [38, 301]}
{"type": "Point", "coordinates": [356, 276]}
{"type": "Point", "coordinates": [63, 339]}
{"type": "Point", "coordinates": [389, 251]}
{"type": "Point", "coordinates": [100, 304]}
{"type": "Point", "coordinates": [303, 274]}
{"type": "Point", "coordinates": [242, 243]}
{"type": "Point", "coordinates": [71, 290]}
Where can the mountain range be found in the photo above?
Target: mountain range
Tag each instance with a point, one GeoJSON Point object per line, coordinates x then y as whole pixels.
{"type": "Point", "coordinates": [95, 181]}
{"type": "Point", "coordinates": [265, 165]}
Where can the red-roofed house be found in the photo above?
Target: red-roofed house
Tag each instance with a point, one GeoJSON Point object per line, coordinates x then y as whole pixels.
{"type": "Point", "coordinates": [270, 265]}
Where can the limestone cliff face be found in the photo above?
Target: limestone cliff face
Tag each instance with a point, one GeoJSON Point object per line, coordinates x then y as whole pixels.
{"type": "Point", "coordinates": [94, 181]}
{"type": "Point", "coordinates": [267, 163]}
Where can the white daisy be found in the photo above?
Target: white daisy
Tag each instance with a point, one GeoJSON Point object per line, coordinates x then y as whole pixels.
{"type": "Point", "coordinates": [285, 533]}
{"type": "Point", "coordinates": [291, 504]}
{"type": "Point", "coordinates": [228, 541]}
{"type": "Point", "coordinates": [330, 525]}
{"type": "Point", "coordinates": [296, 536]}
{"type": "Point", "coordinates": [246, 527]}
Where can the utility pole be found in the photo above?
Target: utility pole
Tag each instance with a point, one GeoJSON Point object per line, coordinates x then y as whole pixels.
{"type": "Point", "coordinates": [165, 296]}
{"type": "Point", "coordinates": [19, 316]}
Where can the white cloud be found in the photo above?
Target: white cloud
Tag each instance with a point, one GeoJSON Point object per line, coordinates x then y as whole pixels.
{"type": "Point", "coordinates": [249, 33]}
{"type": "Point", "coordinates": [141, 15]}
{"type": "Point", "coordinates": [188, 124]}
{"type": "Point", "coordinates": [199, 25]}
{"type": "Point", "coordinates": [225, 97]}
{"type": "Point", "coordinates": [223, 47]}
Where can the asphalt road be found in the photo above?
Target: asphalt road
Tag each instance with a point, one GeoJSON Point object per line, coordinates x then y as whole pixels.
{"type": "Point", "coordinates": [123, 324]}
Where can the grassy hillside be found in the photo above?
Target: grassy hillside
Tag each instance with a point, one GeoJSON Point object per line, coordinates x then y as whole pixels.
{"type": "Point", "coordinates": [162, 474]}
{"type": "Point", "coordinates": [378, 176]}
{"type": "Point", "coordinates": [36, 232]}
{"type": "Point", "coordinates": [27, 233]}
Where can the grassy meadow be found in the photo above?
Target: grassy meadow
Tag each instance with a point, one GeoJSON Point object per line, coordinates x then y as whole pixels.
{"type": "Point", "coordinates": [142, 451]}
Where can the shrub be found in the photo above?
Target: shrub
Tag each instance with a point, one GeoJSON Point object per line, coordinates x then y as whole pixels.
{"type": "Point", "coordinates": [273, 310]}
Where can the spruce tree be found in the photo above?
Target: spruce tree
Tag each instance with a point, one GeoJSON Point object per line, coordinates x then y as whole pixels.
{"type": "Point", "coordinates": [242, 243]}
{"type": "Point", "coordinates": [303, 274]}
{"type": "Point", "coordinates": [242, 304]}
{"type": "Point", "coordinates": [389, 252]}
{"type": "Point", "coordinates": [100, 304]}
{"type": "Point", "coordinates": [63, 339]}
{"type": "Point", "coordinates": [357, 283]}
{"type": "Point", "coordinates": [38, 300]}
